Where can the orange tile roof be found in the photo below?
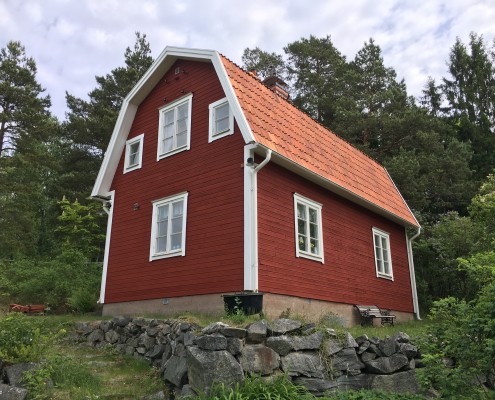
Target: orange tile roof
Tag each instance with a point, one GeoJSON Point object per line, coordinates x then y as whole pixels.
{"type": "Point", "coordinates": [281, 127]}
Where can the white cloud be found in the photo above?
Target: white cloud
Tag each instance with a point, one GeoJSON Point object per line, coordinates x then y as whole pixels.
{"type": "Point", "coordinates": [74, 41]}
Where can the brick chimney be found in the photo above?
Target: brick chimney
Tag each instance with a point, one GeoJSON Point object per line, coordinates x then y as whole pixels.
{"type": "Point", "coordinates": [277, 86]}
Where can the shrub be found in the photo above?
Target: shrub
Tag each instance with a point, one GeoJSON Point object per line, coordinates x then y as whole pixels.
{"type": "Point", "coordinates": [24, 339]}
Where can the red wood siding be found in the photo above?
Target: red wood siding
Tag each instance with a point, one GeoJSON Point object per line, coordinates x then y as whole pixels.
{"type": "Point", "coordinates": [348, 274]}
{"type": "Point", "coordinates": [210, 172]}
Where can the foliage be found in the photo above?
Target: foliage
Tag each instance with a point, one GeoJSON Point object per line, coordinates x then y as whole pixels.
{"type": "Point", "coordinates": [373, 395]}
{"type": "Point", "coordinates": [65, 280]}
{"type": "Point", "coordinates": [464, 332]}
{"type": "Point", "coordinates": [265, 64]}
{"type": "Point", "coordinates": [255, 388]}
{"type": "Point", "coordinates": [80, 227]}
{"type": "Point", "coordinates": [24, 339]}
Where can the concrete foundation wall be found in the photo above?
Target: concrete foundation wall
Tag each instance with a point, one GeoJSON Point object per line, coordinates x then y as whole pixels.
{"type": "Point", "coordinates": [273, 306]}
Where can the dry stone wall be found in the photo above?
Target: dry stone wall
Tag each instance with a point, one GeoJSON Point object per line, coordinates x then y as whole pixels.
{"type": "Point", "coordinates": [191, 358]}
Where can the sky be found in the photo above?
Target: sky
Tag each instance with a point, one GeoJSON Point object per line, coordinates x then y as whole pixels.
{"type": "Point", "coordinates": [72, 41]}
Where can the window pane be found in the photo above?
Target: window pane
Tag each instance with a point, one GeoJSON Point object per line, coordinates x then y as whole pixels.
{"type": "Point", "coordinates": [314, 246]}
{"type": "Point", "coordinates": [169, 117]}
{"type": "Point", "coordinates": [313, 216]}
{"type": "Point", "coordinates": [181, 139]}
{"type": "Point", "coordinates": [176, 225]}
{"type": "Point", "coordinates": [384, 243]}
{"type": "Point", "coordinates": [301, 212]}
{"type": "Point", "coordinates": [177, 208]}
{"type": "Point", "coordinates": [302, 243]}
{"type": "Point", "coordinates": [168, 144]}
{"type": "Point", "coordinates": [133, 159]}
{"type": "Point", "coordinates": [313, 231]}
{"type": "Point", "coordinates": [169, 131]}
{"type": "Point", "coordinates": [181, 126]}
{"type": "Point", "coordinates": [182, 111]}
{"type": "Point", "coordinates": [175, 241]}
{"type": "Point", "coordinates": [162, 213]}
{"type": "Point", "coordinates": [222, 112]}
{"type": "Point", "coordinates": [161, 244]}
{"type": "Point", "coordinates": [301, 227]}
{"type": "Point", "coordinates": [162, 228]}
{"type": "Point", "coordinates": [386, 268]}
{"type": "Point", "coordinates": [222, 125]}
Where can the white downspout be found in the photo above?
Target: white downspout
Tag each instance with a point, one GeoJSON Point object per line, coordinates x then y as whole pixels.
{"type": "Point", "coordinates": [108, 208]}
{"type": "Point", "coordinates": [251, 216]}
{"type": "Point", "coordinates": [412, 273]}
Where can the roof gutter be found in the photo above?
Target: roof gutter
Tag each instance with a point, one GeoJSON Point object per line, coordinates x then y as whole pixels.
{"type": "Point", "coordinates": [412, 273]}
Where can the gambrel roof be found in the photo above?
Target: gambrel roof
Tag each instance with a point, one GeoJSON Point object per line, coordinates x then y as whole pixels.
{"type": "Point", "coordinates": [297, 141]}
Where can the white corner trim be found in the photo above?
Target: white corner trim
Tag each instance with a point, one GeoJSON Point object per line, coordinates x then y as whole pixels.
{"type": "Point", "coordinates": [107, 247]}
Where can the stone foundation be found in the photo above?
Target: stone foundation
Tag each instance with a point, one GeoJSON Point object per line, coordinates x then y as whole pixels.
{"type": "Point", "coordinates": [273, 306]}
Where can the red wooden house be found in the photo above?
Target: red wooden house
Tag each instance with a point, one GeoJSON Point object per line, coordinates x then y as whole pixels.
{"type": "Point", "coordinates": [214, 184]}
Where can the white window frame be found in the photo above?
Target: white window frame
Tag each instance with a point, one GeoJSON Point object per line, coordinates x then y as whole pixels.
{"type": "Point", "coordinates": [154, 254]}
{"type": "Point", "coordinates": [378, 254]}
{"type": "Point", "coordinates": [174, 105]}
{"type": "Point", "coordinates": [212, 134]}
{"type": "Point", "coordinates": [138, 139]}
{"type": "Point", "coordinates": [298, 199]}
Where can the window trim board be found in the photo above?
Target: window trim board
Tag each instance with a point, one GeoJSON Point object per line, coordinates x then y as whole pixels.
{"type": "Point", "coordinates": [212, 135]}
{"type": "Point", "coordinates": [313, 204]}
{"type": "Point", "coordinates": [137, 139]}
{"type": "Point", "coordinates": [386, 235]}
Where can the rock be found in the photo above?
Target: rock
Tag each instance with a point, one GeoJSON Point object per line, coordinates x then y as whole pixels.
{"type": "Point", "coordinates": [189, 339]}
{"type": "Point", "coordinates": [214, 328]}
{"type": "Point", "coordinates": [234, 346]}
{"type": "Point", "coordinates": [401, 382]}
{"type": "Point", "coordinates": [256, 332]}
{"type": "Point", "coordinates": [206, 367]}
{"type": "Point", "coordinates": [349, 340]}
{"type": "Point", "coordinates": [105, 326]}
{"type": "Point", "coordinates": [121, 321]}
{"type": "Point", "coordinates": [146, 341]}
{"type": "Point", "coordinates": [342, 383]}
{"type": "Point", "coordinates": [308, 328]}
{"type": "Point", "coordinates": [346, 359]}
{"type": "Point", "coordinates": [368, 356]}
{"type": "Point", "coordinates": [156, 351]}
{"type": "Point", "coordinates": [363, 347]}
{"type": "Point", "coordinates": [259, 359]}
{"type": "Point", "coordinates": [156, 396]}
{"type": "Point", "coordinates": [83, 328]}
{"type": "Point", "coordinates": [408, 350]}
{"type": "Point", "coordinates": [401, 337]}
{"type": "Point", "coordinates": [97, 336]}
{"type": "Point", "coordinates": [310, 342]}
{"type": "Point", "coordinates": [112, 337]}
{"type": "Point", "coordinates": [281, 344]}
{"type": "Point", "coordinates": [14, 373]}
{"type": "Point", "coordinates": [152, 330]}
{"type": "Point", "coordinates": [12, 393]}
{"type": "Point", "coordinates": [331, 332]}
{"type": "Point", "coordinates": [374, 349]}
{"type": "Point", "coordinates": [282, 326]}
{"type": "Point", "coordinates": [176, 371]}
{"type": "Point", "coordinates": [362, 339]}
{"type": "Point", "coordinates": [186, 392]}
{"type": "Point", "coordinates": [212, 342]}
{"type": "Point", "coordinates": [388, 347]}
{"type": "Point", "coordinates": [387, 365]}
{"type": "Point", "coordinates": [234, 332]}
{"type": "Point", "coordinates": [333, 346]}
{"type": "Point", "coordinates": [306, 364]}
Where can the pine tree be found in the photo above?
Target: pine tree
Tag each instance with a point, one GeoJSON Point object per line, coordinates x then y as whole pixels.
{"type": "Point", "coordinates": [90, 123]}
{"type": "Point", "coordinates": [470, 93]}
{"type": "Point", "coordinates": [316, 69]}
{"type": "Point", "coordinates": [263, 63]}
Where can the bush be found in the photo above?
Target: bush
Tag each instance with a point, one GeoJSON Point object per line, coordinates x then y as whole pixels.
{"type": "Point", "coordinates": [68, 280]}
{"type": "Point", "coordinates": [24, 339]}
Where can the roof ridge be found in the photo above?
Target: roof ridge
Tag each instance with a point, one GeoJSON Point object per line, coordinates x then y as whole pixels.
{"type": "Point", "coordinates": [259, 82]}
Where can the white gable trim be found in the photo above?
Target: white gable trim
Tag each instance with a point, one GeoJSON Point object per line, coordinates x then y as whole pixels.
{"type": "Point", "coordinates": [149, 80]}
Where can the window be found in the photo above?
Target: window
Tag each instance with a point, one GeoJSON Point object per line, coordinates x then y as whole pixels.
{"type": "Point", "coordinates": [383, 260]}
{"type": "Point", "coordinates": [309, 236]}
{"type": "Point", "coordinates": [221, 120]}
{"type": "Point", "coordinates": [133, 153]}
{"type": "Point", "coordinates": [168, 230]}
{"type": "Point", "coordinates": [174, 133]}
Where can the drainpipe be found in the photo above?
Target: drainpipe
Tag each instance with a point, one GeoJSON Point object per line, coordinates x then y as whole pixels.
{"type": "Point", "coordinates": [412, 274]}
{"type": "Point", "coordinates": [251, 216]}
{"type": "Point", "coordinates": [108, 208]}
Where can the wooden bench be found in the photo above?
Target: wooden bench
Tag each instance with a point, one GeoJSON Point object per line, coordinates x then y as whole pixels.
{"type": "Point", "coordinates": [29, 309]}
{"type": "Point", "coordinates": [368, 313]}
